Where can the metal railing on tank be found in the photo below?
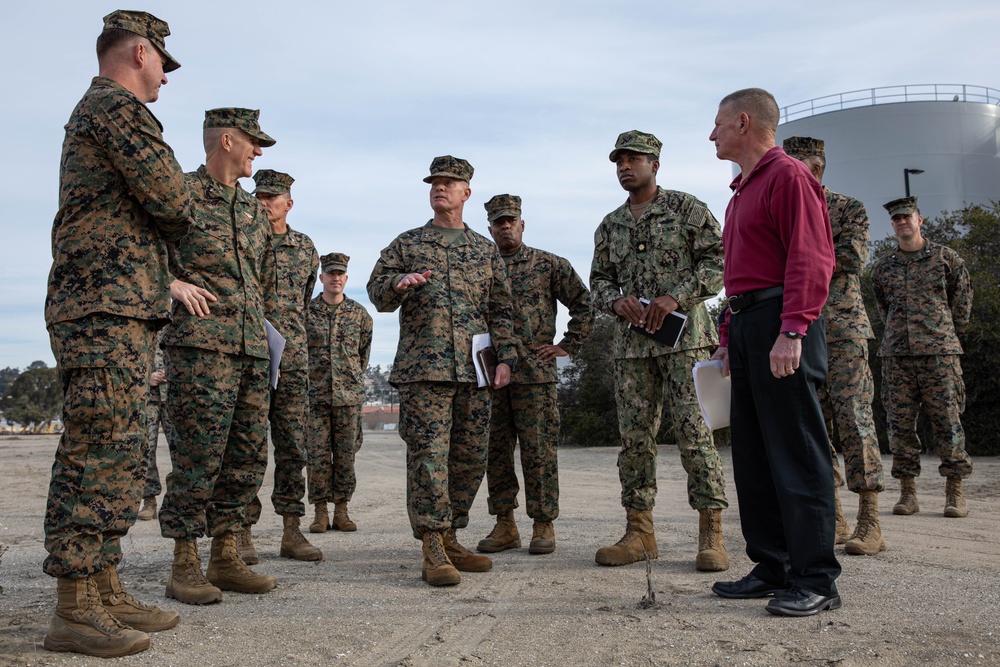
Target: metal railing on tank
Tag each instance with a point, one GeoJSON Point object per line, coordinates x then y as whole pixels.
{"type": "Point", "coordinates": [926, 92]}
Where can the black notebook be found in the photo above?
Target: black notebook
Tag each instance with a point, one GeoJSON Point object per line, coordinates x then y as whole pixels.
{"type": "Point", "coordinates": [669, 332]}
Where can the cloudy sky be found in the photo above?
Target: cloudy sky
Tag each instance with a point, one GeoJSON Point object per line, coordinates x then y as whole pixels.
{"type": "Point", "coordinates": [361, 96]}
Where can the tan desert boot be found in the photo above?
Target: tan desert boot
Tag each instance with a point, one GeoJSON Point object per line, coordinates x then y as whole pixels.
{"type": "Point", "coordinates": [244, 544]}
{"type": "Point", "coordinates": [341, 521]}
{"type": "Point", "coordinates": [437, 570]}
{"type": "Point", "coordinates": [463, 559]}
{"type": "Point", "coordinates": [186, 583]}
{"type": "Point", "coordinates": [321, 523]}
{"type": "Point", "coordinates": [712, 556]}
{"type": "Point", "coordinates": [543, 538]}
{"type": "Point", "coordinates": [230, 573]}
{"type": "Point", "coordinates": [907, 497]}
{"type": "Point", "coordinates": [867, 539]}
{"type": "Point", "coordinates": [127, 609]}
{"type": "Point", "coordinates": [503, 536]}
{"type": "Point", "coordinates": [148, 511]}
{"type": "Point", "coordinates": [294, 544]}
{"type": "Point", "coordinates": [955, 505]}
{"type": "Point", "coordinates": [637, 541]}
{"type": "Point", "coordinates": [81, 624]}
{"type": "Point", "coordinates": [843, 529]}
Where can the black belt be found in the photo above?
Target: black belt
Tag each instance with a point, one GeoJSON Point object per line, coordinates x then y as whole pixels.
{"type": "Point", "coordinates": [744, 301]}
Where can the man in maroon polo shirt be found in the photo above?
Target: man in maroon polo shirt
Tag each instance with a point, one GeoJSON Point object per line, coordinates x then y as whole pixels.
{"type": "Point", "coordinates": [779, 261]}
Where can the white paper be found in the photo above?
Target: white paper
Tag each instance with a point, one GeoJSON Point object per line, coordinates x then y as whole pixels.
{"type": "Point", "coordinates": [275, 346]}
{"type": "Point", "coordinates": [480, 342]}
{"type": "Point", "coordinates": [714, 391]}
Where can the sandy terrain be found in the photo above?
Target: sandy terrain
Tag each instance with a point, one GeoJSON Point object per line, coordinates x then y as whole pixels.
{"type": "Point", "coordinates": [932, 599]}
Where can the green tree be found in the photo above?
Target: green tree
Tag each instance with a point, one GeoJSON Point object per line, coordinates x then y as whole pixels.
{"type": "Point", "coordinates": [34, 398]}
{"type": "Point", "coordinates": [975, 233]}
{"type": "Point", "coordinates": [7, 377]}
{"type": "Point", "coordinates": [589, 416]}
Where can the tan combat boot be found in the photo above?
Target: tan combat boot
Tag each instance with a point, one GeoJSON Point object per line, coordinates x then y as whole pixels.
{"type": "Point", "coordinates": [186, 583]}
{"type": "Point", "coordinates": [867, 539]}
{"type": "Point", "coordinates": [843, 530]}
{"type": "Point", "coordinates": [907, 497]}
{"type": "Point", "coordinates": [81, 624]}
{"type": "Point", "coordinates": [127, 609]}
{"type": "Point", "coordinates": [340, 519]}
{"type": "Point", "coordinates": [437, 570]}
{"type": "Point", "coordinates": [503, 536]}
{"type": "Point", "coordinates": [230, 573]}
{"type": "Point", "coordinates": [463, 559]}
{"type": "Point", "coordinates": [244, 543]}
{"type": "Point", "coordinates": [294, 544]}
{"type": "Point", "coordinates": [543, 538]}
{"type": "Point", "coordinates": [955, 505]}
{"type": "Point", "coordinates": [712, 556]}
{"type": "Point", "coordinates": [321, 523]}
{"type": "Point", "coordinates": [148, 511]}
{"type": "Point", "coordinates": [637, 540]}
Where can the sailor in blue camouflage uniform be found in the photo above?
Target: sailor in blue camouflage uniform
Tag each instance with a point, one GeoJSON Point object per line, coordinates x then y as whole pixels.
{"type": "Point", "coordinates": [664, 246]}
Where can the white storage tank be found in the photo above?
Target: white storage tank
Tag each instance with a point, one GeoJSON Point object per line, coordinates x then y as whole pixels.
{"type": "Point", "coordinates": [943, 138]}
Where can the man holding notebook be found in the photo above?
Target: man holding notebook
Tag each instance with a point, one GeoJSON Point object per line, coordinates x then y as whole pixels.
{"type": "Point", "coordinates": [659, 253]}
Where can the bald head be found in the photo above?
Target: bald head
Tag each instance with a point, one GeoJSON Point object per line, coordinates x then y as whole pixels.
{"type": "Point", "coordinates": [758, 104]}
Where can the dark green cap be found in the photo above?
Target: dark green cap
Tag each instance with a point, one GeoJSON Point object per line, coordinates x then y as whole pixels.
{"type": "Point", "coordinates": [638, 142]}
{"type": "Point", "coordinates": [802, 147]}
{"type": "Point", "coordinates": [334, 261]}
{"type": "Point", "coordinates": [503, 205]}
{"type": "Point", "coordinates": [901, 206]}
{"type": "Point", "coordinates": [241, 119]}
{"type": "Point", "coordinates": [450, 167]}
{"type": "Point", "coordinates": [145, 25]}
{"type": "Point", "coordinates": [271, 182]}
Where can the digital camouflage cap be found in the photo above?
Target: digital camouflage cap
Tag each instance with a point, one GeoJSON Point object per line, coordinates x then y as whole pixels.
{"type": "Point", "coordinates": [145, 25]}
{"type": "Point", "coordinates": [271, 182]}
{"type": "Point", "coordinates": [503, 205]}
{"type": "Point", "coordinates": [638, 142]}
{"type": "Point", "coordinates": [241, 119]}
{"type": "Point", "coordinates": [802, 147]}
{"type": "Point", "coordinates": [902, 206]}
{"type": "Point", "coordinates": [334, 261]}
{"type": "Point", "coordinates": [450, 167]}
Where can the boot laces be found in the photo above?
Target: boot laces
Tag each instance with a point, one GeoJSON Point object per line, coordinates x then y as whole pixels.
{"type": "Point", "coordinates": [436, 549]}
{"type": "Point", "coordinates": [94, 612]}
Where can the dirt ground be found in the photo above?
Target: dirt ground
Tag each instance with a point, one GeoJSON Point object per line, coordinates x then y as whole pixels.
{"type": "Point", "coordinates": [933, 598]}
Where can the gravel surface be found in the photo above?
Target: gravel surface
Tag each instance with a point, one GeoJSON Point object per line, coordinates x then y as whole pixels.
{"type": "Point", "coordinates": [933, 598]}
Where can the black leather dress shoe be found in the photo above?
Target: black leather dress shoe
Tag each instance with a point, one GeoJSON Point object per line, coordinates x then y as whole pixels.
{"type": "Point", "coordinates": [746, 588]}
{"type": "Point", "coordinates": [798, 602]}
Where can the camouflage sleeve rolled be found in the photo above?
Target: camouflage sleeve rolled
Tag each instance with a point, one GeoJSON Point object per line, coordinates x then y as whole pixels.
{"type": "Point", "coordinates": [573, 294]}
{"type": "Point", "coordinates": [960, 294]}
{"type": "Point", "coordinates": [604, 284]}
{"type": "Point", "coordinates": [705, 247]}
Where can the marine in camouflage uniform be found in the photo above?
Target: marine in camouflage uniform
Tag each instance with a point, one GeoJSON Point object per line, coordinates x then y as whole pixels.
{"type": "Point", "coordinates": [156, 416]}
{"type": "Point", "coordinates": [121, 197]}
{"type": "Point", "coordinates": [339, 334]}
{"type": "Point", "coordinates": [924, 294]}
{"type": "Point", "coordinates": [847, 396]}
{"type": "Point", "coordinates": [217, 361]}
{"type": "Point", "coordinates": [296, 262]}
{"type": "Point", "coordinates": [664, 246]}
{"type": "Point", "coordinates": [526, 412]}
{"type": "Point", "coordinates": [450, 284]}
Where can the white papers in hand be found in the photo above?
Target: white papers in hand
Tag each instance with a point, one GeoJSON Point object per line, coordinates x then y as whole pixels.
{"type": "Point", "coordinates": [275, 346]}
{"type": "Point", "coordinates": [714, 393]}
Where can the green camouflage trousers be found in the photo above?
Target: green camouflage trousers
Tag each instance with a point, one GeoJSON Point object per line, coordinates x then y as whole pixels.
{"type": "Point", "coordinates": [156, 415]}
{"type": "Point", "coordinates": [846, 399]}
{"type": "Point", "coordinates": [525, 416]}
{"type": "Point", "coordinates": [104, 364]}
{"type": "Point", "coordinates": [336, 437]}
{"type": "Point", "coordinates": [935, 383]}
{"type": "Point", "coordinates": [446, 429]}
{"type": "Point", "coordinates": [218, 405]}
{"type": "Point", "coordinates": [641, 387]}
{"type": "Point", "coordinates": [287, 416]}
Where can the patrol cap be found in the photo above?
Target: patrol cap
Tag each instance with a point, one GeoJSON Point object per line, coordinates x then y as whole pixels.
{"type": "Point", "coordinates": [145, 25]}
{"type": "Point", "coordinates": [241, 119]}
{"type": "Point", "coordinates": [638, 142]}
{"type": "Point", "coordinates": [271, 182]}
{"type": "Point", "coordinates": [450, 167]}
{"type": "Point", "coordinates": [334, 261]}
{"type": "Point", "coordinates": [503, 205]}
{"type": "Point", "coordinates": [902, 206]}
{"type": "Point", "coordinates": [802, 147]}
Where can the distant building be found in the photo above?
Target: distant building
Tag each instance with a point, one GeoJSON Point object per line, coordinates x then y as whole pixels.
{"type": "Point", "coordinates": [943, 138]}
